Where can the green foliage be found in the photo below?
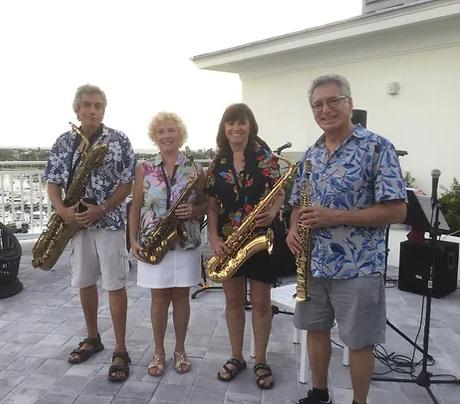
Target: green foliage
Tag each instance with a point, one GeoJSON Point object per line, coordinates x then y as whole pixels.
{"type": "Point", "coordinates": [409, 179]}
{"type": "Point", "coordinates": [450, 205]}
{"type": "Point", "coordinates": [23, 154]}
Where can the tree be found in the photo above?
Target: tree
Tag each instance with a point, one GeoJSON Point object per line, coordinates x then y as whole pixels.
{"type": "Point", "coordinates": [450, 205]}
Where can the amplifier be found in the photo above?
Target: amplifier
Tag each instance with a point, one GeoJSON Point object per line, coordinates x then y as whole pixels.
{"type": "Point", "coordinates": [414, 264]}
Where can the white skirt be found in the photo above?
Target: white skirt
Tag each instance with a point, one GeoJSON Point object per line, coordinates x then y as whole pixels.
{"type": "Point", "coordinates": [178, 269]}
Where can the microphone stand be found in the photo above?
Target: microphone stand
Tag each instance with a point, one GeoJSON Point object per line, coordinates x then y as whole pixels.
{"type": "Point", "coordinates": [424, 378]}
{"type": "Point", "coordinates": [205, 285]}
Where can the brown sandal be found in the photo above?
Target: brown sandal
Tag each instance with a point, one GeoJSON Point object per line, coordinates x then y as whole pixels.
{"type": "Point", "coordinates": [79, 355]}
{"type": "Point", "coordinates": [120, 363]}
{"type": "Point", "coordinates": [156, 367]}
{"type": "Point", "coordinates": [237, 367]}
{"type": "Point", "coordinates": [260, 377]}
{"type": "Point", "coordinates": [181, 362]}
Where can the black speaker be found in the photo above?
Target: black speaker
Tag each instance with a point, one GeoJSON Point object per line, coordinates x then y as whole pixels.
{"type": "Point", "coordinates": [415, 261]}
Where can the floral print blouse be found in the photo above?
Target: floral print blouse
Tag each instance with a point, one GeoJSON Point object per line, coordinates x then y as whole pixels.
{"type": "Point", "coordinates": [238, 193]}
{"type": "Point", "coordinates": [156, 193]}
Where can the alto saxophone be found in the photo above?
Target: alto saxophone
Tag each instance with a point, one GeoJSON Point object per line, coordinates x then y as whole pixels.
{"type": "Point", "coordinates": [57, 233]}
{"type": "Point", "coordinates": [243, 243]}
{"type": "Point", "coordinates": [303, 259]}
{"type": "Point", "coordinates": [170, 229]}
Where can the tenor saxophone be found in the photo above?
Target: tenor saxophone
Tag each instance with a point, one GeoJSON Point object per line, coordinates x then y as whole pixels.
{"type": "Point", "coordinates": [57, 233]}
{"type": "Point", "coordinates": [170, 229]}
{"type": "Point", "coordinates": [303, 259]}
{"type": "Point", "coordinates": [244, 243]}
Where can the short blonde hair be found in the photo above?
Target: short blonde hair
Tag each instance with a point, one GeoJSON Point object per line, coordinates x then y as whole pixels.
{"type": "Point", "coordinates": [167, 116]}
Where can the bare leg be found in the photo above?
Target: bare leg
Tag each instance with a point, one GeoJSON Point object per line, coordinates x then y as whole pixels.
{"type": "Point", "coordinates": [261, 323]}
{"type": "Point", "coordinates": [235, 317]}
{"type": "Point", "coordinates": [161, 298]}
{"type": "Point", "coordinates": [89, 300]}
{"type": "Point", "coordinates": [319, 354]}
{"type": "Point", "coordinates": [181, 316]}
{"type": "Point", "coordinates": [118, 303]}
{"type": "Point", "coordinates": [361, 369]}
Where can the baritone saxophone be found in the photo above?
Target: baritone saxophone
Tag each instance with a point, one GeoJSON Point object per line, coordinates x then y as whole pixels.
{"type": "Point", "coordinates": [303, 259]}
{"type": "Point", "coordinates": [54, 238]}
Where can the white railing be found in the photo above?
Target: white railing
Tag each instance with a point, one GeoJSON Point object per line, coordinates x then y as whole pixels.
{"type": "Point", "coordinates": [23, 200]}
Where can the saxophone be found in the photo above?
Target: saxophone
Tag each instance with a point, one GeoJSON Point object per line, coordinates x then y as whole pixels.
{"type": "Point", "coordinates": [57, 233]}
{"type": "Point", "coordinates": [243, 243]}
{"type": "Point", "coordinates": [303, 259]}
{"type": "Point", "coordinates": [170, 229]}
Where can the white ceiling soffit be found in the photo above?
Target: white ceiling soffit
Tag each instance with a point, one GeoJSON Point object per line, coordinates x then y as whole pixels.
{"type": "Point", "coordinates": [354, 27]}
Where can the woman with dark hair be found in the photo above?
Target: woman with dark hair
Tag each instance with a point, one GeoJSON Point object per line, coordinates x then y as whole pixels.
{"type": "Point", "coordinates": [242, 173]}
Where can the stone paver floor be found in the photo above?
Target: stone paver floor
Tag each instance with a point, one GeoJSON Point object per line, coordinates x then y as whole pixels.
{"type": "Point", "coordinates": [42, 324]}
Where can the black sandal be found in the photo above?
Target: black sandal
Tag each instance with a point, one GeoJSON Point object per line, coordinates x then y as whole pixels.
{"type": "Point", "coordinates": [262, 377]}
{"type": "Point", "coordinates": [120, 362]}
{"type": "Point", "coordinates": [238, 366]}
{"type": "Point", "coordinates": [85, 354]}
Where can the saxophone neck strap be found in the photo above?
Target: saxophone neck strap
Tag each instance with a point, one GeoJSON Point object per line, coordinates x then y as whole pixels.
{"type": "Point", "coordinates": [169, 183]}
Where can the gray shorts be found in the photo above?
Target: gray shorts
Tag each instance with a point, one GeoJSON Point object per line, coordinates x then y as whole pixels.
{"type": "Point", "coordinates": [358, 306]}
{"type": "Point", "coordinates": [99, 253]}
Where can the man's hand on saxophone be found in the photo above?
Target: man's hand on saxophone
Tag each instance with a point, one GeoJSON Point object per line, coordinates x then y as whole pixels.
{"type": "Point", "coordinates": [67, 213]}
{"type": "Point", "coordinates": [90, 215]}
{"type": "Point", "coordinates": [315, 217]}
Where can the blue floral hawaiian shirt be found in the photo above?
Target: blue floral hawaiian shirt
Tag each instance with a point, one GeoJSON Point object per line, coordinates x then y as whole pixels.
{"type": "Point", "coordinates": [363, 171]}
{"type": "Point", "coordinates": [118, 168]}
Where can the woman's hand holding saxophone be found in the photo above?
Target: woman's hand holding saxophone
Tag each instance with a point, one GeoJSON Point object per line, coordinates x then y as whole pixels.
{"type": "Point", "coordinates": [218, 245]}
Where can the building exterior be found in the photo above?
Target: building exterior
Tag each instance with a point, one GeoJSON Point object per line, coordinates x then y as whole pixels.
{"type": "Point", "coordinates": [403, 63]}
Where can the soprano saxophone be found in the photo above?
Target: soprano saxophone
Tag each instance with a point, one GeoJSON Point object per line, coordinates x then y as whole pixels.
{"type": "Point", "coordinates": [244, 243]}
{"type": "Point", "coordinates": [57, 233]}
{"type": "Point", "coordinates": [170, 229]}
{"type": "Point", "coordinates": [303, 259]}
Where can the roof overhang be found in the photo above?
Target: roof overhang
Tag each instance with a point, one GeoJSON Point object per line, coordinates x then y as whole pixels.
{"type": "Point", "coordinates": [231, 59]}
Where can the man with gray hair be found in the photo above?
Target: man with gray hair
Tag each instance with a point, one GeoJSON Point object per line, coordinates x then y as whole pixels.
{"type": "Point", "coordinates": [98, 248]}
{"type": "Point", "coordinates": [357, 189]}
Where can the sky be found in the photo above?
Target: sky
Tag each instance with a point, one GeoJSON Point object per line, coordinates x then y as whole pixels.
{"type": "Point", "coordinates": [139, 53]}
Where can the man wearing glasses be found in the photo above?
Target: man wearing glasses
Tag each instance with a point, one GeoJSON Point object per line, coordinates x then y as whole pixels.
{"type": "Point", "coordinates": [357, 188]}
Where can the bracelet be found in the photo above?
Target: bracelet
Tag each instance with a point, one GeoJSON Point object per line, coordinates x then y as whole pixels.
{"type": "Point", "coordinates": [104, 208]}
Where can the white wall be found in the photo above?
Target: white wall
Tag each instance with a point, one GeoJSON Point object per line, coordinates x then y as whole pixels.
{"type": "Point", "coordinates": [422, 119]}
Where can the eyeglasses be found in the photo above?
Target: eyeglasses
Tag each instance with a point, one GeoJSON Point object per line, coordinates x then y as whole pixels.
{"type": "Point", "coordinates": [331, 103]}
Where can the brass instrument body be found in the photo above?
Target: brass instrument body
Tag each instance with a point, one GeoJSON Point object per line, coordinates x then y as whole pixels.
{"type": "Point", "coordinates": [244, 243]}
{"type": "Point", "coordinates": [57, 233]}
{"type": "Point", "coordinates": [303, 259]}
{"type": "Point", "coordinates": [170, 229]}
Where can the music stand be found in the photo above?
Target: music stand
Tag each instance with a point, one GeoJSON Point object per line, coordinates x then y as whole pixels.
{"type": "Point", "coordinates": [426, 214]}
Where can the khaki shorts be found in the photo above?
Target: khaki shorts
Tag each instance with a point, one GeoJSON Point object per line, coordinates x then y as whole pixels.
{"type": "Point", "coordinates": [99, 253]}
{"type": "Point", "coordinates": [358, 306]}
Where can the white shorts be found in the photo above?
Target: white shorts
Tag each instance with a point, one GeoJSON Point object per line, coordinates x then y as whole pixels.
{"type": "Point", "coordinates": [99, 253]}
{"type": "Point", "coordinates": [178, 269]}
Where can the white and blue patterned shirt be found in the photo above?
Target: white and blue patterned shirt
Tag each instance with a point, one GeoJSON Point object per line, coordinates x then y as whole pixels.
{"type": "Point", "coordinates": [363, 171]}
{"type": "Point", "coordinates": [118, 168]}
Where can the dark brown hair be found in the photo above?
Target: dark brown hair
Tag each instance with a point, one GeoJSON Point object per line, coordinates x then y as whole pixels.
{"type": "Point", "coordinates": [236, 112]}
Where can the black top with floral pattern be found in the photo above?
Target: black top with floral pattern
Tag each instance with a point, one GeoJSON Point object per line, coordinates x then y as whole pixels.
{"type": "Point", "coordinates": [236, 199]}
